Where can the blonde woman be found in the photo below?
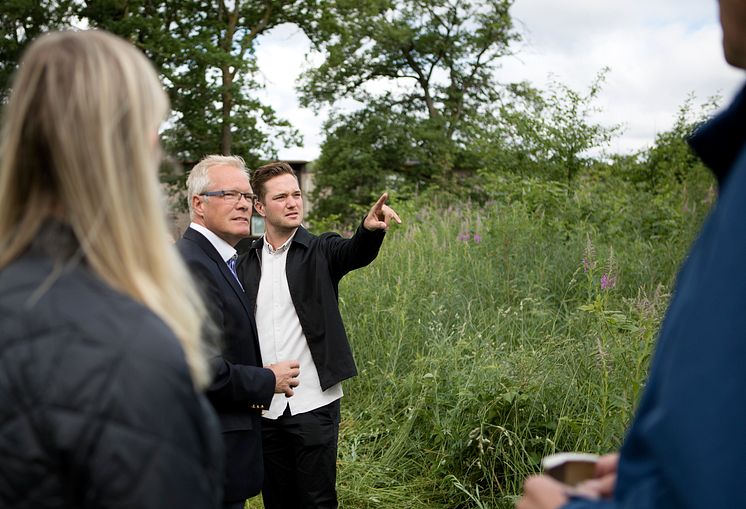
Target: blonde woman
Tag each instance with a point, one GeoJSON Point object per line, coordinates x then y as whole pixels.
{"type": "Point", "coordinates": [101, 363]}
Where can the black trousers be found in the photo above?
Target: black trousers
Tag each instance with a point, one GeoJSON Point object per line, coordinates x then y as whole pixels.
{"type": "Point", "coordinates": [300, 459]}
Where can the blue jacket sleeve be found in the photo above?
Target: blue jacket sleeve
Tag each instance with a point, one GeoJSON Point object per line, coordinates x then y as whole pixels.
{"type": "Point", "coordinates": [579, 503]}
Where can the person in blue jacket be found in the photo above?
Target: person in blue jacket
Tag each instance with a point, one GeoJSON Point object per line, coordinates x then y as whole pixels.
{"type": "Point", "coordinates": [686, 446]}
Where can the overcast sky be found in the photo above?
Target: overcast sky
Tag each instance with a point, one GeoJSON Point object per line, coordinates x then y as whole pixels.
{"type": "Point", "coordinates": [658, 52]}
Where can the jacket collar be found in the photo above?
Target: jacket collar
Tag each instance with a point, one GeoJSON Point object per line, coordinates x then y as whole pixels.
{"type": "Point", "coordinates": [720, 141]}
{"type": "Point", "coordinates": [212, 253]}
{"type": "Point", "coordinates": [225, 250]}
{"type": "Point", "coordinates": [302, 237]}
{"type": "Point", "coordinates": [206, 246]}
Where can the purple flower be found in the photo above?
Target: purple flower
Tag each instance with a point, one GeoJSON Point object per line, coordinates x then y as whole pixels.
{"type": "Point", "coordinates": [463, 237]}
{"type": "Point", "coordinates": [477, 238]}
{"type": "Point", "coordinates": [608, 282]}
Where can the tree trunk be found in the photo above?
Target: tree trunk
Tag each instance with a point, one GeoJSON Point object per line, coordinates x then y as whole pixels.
{"type": "Point", "coordinates": [226, 95]}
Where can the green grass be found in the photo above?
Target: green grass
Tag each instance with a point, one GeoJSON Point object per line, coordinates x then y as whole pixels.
{"type": "Point", "coordinates": [477, 359]}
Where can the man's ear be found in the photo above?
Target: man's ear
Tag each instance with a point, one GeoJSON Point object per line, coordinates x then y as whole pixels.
{"type": "Point", "coordinates": [259, 207]}
{"type": "Point", "coordinates": [198, 205]}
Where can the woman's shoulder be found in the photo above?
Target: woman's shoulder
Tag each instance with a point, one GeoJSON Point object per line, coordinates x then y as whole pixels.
{"type": "Point", "coordinates": [105, 379]}
{"type": "Point", "coordinates": [72, 341]}
{"type": "Point", "coordinates": [44, 302]}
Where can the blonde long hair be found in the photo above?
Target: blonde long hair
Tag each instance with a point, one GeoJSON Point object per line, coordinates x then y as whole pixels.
{"type": "Point", "coordinates": [79, 142]}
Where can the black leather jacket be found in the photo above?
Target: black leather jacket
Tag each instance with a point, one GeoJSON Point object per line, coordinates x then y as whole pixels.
{"type": "Point", "coordinates": [315, 265]}
{"type": "Point", "coordinates": [97, 407]}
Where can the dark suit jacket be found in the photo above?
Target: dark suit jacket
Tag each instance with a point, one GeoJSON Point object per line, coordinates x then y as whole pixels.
{"type": "Point", "coordinates": [314, 267]}
{"type": "Point", "coordinates": [241, 388]}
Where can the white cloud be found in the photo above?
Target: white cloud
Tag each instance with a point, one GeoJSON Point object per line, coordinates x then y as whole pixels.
{"type": "Point", "coordinates": [657, 52]}
{"type": "Point", "coordinates": [281, 56]}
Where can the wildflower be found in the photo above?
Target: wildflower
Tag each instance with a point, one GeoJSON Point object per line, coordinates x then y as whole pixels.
{"type": "Point", "coordinates": [477, 238]}
{"type": "Point", "coordinates": [589, 255]}
{"type": "Point", "coordinates": [463, 237]}
{"type": "Point", "coordinates": [608, 282]}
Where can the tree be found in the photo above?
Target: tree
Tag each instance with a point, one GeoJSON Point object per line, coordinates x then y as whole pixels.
{"type": "Point", "coordinates": [550, 134]}
{"type": "Point", "coordinates": [436, 58]}
{"type": "Point", "coordinates": [205, 52]}
{"type": "Point", "coordinates": [20, 22]}
{"type": "Point", "coordinates": [371, 149]}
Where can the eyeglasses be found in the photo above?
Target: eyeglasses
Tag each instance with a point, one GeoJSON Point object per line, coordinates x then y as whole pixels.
{"type": "Point", "coordinates": [231, 196]}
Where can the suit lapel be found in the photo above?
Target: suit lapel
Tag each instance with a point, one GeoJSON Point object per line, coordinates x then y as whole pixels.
{"type": "Point", "coordinates": [213, 254]}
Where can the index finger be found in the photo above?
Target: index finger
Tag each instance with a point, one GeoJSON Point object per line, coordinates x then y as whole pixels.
{"type": "Point", "coordinates": [379, 204]}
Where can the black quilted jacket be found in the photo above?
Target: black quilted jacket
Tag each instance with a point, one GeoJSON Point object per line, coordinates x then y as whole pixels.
{"type": "Point", "coordinates": [97, 408]}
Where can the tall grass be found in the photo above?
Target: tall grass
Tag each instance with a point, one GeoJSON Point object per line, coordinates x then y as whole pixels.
{"type": "Point", "coordinates": [486, 340]}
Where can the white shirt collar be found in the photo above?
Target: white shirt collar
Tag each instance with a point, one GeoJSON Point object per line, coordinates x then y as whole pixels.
{"type": "Point", "coordinates": [225, 250]}
{"type": "Point", "coordinates": [280, 249]}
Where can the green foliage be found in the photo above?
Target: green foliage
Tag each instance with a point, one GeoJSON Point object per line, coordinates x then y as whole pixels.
{"type": "Point", "coordinates": [205, 54]}
{"type": "Point", "coordinates": [204, 51]}
{"type": "Point", "coordinates": [604, 203]}
{"type": "Point", "coordinates": [436, 57]}
{"type": "Point", "coordinates": [20, 22]}
{"type": "Point", "coordinates": [548, 134]}
{"type": "Point", "coordinates": [670, 162]}
{"type": "Point", "coordinates": [376, 148]}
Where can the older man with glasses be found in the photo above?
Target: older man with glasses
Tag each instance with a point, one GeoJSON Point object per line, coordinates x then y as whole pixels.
{"type": "Point", "coordinates": [220, 206]}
